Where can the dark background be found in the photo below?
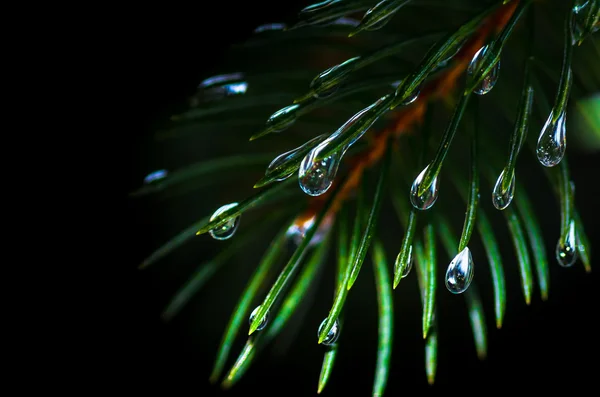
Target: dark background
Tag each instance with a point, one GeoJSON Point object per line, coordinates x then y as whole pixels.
{"type": "Point", "coordinates": [545, 346]}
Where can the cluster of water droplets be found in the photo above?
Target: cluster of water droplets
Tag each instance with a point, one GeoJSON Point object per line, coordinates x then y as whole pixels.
{"type": "Point", "coordinates": [460, 272]}
{"type": "Point", "coordinates": [425, 200]}
{"type": "Point", "coordinates": [228, 229]}
{"type": "Point", "coordinates": [490, 79]}
{"type": "Point", "coordinates": [332, 335]}
{"type": "Point", "coordinates": [263, 322]}
{"type": "Point", "coordinates": [501, 197]}
{"type": "Point", "coordinates": [552, 142]}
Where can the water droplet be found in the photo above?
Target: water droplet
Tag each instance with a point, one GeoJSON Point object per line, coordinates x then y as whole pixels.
{"type": "Point", "coordinates": [428, 198]}
{"type": "Point", "coordinates": [379, 15]}
{"type": "Point", "coordinates": [490, 79]}
{"type": "Point", "coordinates": [460, 272]}
{"type": "Point", "coordinates": [270, 27]}
{"type": "Point", "coordinates": [552, 142]}
{"type": "Point", "coordinates": [265, 319]}
{"type": "Point", "coordinates": [284, 159]}
{"type": "Point", "coordinates": [409, 262]}
{"type": "Point", "coordinates": [502, 198]}
{"type": "Point", "coordinates": [283, 118]}
{"type": "Point", "coordinates": [218, 87]}
{"type": "Point", "coordinates": [566, 253]}
{"type": "Point", "coordinates": [316, 177]}
{"type": "Point", "coordinates": [227, 230]}
{"type": "Point", "coordinates": [328, 81]}
{"type": "Point", "coordinates": [332, 335]}
{"type": "Point", "coordinates": [412, 96]}
{"type": "Point", "coordinates": [155, 176]}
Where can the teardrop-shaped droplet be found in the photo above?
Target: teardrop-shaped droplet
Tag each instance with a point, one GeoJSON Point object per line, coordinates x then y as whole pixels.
{"type": "Point", "coordinates": [328, 81]}
{"type": "Point", "coordinates": [412, 97]}
{"type": "Point", "coordinates": [379, 15]}
{"type": "Point", "coordinates": [284, 159]}
{"type": "Point", "coordinates": [502, 198]}
{"type": "Point", "coordinates": [460, 272]}
{"type": "Point", "coordinates": [566, 249]}
{"type": "Point", "coordinates": [263, 323]}
{"type": "Point", "coordinates": [552, 142]}
{"type": "Point", "coordinates": [227, 230]}
{"type": "Point", "coordinates": [332, 335]}
{"type": "Point", "coordinates": [489, 80]}
{"type": "Point", "coordinates": [283, 118]}
{"type": "Point", "coordinates": [407, 267]}
{"type": "Point", "coordinates": [427, 199]}
{"type": "Point", "coordinates": [155, 176]}
{"type": "Point", "coordinates": [316, 175]}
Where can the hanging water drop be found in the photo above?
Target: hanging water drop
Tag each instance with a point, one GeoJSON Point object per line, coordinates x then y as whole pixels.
{"type": "Point", "coordinates": [281, 161]}
{"type": "Point", "coordinates": [552, 142]}
{"type": "Point", "coordinates": [490, 79]}
{"type": "Point", "coordinates": [328, 81]}
{"type": "Point", "coordinates": [428, 198]}
{"type": "Point", "coordinates": [411, 97]}
{"type": "Point", "coordinates": [407, 267]}
{"type": "Point", "coordinates": [460, 272]}
{"type": "Point", "coordinates": [226, 230]}
{"type": "Point", "coordinates": [283, 118]}
{"type": "Point", "coordinates": [264, 321]}
{"type": "Point", "coordinates": [316, 177]}
{"type": "Point", "coordinates": [332, 335]}
{"type": "Point", "coordinates": [566, 249]}
{"type": "Point", "coordinates": [502, 198]}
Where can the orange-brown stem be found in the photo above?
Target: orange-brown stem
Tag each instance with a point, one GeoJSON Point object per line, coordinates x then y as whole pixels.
{"type": "Point", "coordinates": [404, 118]}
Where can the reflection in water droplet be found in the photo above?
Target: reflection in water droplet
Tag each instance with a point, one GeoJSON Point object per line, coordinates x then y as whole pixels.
{"type": "Point", "coordinates": [315, 177]}
{"type": "Point", "coordinates": [406, 267]}
{"type": "Point", "coordinates": [502, 198]}
{"type": "Point", "coordinates": [490, 79]}
{"type": "Point", "coordinates": [283, 118]}
{"type": "Point", "coordinates": [265, 319]}
{"type": "Point", "coordinates": [428, 198]}
{"type": "Point", "coordinates": [227, 230]}
{"type": "Point", "coordinates": [566, 253]}
{"type": "Point", "coordinates": [283, 159]}
{"type": "Point", "coordinates": [332, 335]}
{"type": "Point", "coordinates": [155, 176]}
{"type": "Point", "coordinates": [552, 142]}
{"type": "Point", "coordinates": [460, 272]}
{"type": "Point", "coordinates": [270, 27]}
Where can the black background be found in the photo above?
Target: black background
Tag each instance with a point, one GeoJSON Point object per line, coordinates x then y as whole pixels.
{"type": "Point", "coordinates": [549, 346]}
